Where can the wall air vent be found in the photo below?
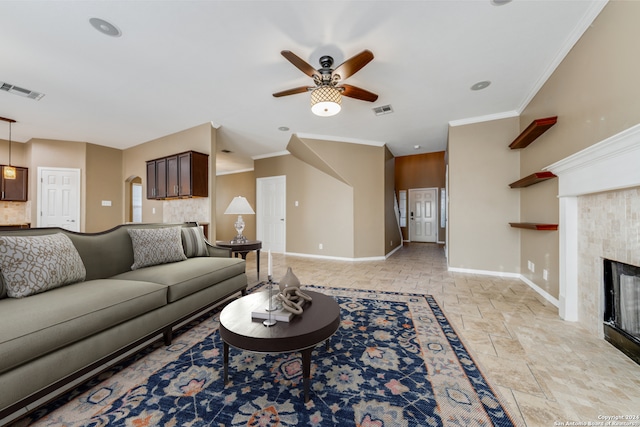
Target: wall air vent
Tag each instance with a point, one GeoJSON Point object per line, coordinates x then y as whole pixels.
{"type": "Point", "coordinates": [7, 87]}
{"type": "Point", "coordinates": [385, 109]}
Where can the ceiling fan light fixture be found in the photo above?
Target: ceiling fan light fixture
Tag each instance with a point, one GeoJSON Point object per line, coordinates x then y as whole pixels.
{"type": "Point", "coordinates": [326, 101]}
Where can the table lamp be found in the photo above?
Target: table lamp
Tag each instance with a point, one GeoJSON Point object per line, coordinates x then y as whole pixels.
{"type": "Point", "coordinates": [239, 206]}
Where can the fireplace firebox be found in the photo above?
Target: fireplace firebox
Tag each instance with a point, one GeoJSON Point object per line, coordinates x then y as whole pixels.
{"type": "Point", "coordinates": [622, 307]}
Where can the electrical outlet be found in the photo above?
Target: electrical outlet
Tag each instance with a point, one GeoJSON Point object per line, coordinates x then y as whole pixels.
{"type": "Point", "coordinates": [320, 246]}
{"type": "Point", "coordinates": [545, 274]}
{"type": "Point", "coordinates": [390, 242]}
{"type": "Point", "coordinates": [531, 266]}
{"type": "Point", "coordinates": [106, 203]}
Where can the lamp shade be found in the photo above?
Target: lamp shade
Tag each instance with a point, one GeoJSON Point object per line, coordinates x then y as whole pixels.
{"type": "Point", "coordinates": [325, 101]}
{"type": "Point", "coordinates": [239, 206]}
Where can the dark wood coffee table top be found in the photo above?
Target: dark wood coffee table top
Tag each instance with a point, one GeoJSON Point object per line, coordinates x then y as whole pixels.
{"type": "Point", "coordinates": [319, 320]}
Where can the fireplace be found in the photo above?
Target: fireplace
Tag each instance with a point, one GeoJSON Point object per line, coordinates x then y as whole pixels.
{"type": "Point", "coordinates": [622, 307]}
{"type": "Point", "coordinates": [599, 194]}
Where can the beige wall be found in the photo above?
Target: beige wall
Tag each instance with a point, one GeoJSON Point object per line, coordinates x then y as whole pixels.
{"type": "Point", "coordinates": [57, 154]}
{"type": "Point", "coordinates": [227, 187]}
{"type": "Point", "coordinates": [325, 208]}
{"type": "Point", "coordinates": [345, 198]}
{"type": "Point", "coordinates": [104, 182]}
{"type": "Point", "coordinates": [595, 94]}
{"type": "Point", "coordinates": [481, 204]}
{"type": "Point", "coordinates": [198, 138]}
{"type": "Point", "coordinates": [363, 167]}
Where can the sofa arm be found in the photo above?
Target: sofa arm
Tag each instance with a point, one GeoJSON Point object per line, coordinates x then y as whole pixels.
{"type": "Point", "coordinates": [217, 251]}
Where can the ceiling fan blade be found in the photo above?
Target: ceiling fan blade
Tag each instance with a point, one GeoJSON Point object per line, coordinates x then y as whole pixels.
{"type": "Point", "coordinates": [353, 64]}
{"type": "Point", "coordinates": [293, 91]}
{"type": "Point", "coordinates": [300, 63]}
{"type": "Point", "coordinates": [356, 92]}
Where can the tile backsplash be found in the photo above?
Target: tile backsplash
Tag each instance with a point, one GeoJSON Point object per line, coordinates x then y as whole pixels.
{"type": "Point", "coordinates": [15, 212]}
{"type": "Point", "coordinates": [608, 227]}
{"type": "Point", "coordinates": [182, 210]}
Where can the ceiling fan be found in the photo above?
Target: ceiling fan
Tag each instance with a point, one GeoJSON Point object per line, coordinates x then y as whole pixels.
{"type": "Point", "coordinates": [326, 95]}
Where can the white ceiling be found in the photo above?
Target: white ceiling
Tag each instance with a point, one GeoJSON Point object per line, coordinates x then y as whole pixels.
{"type": "Point", "coordinates": [179, 64]}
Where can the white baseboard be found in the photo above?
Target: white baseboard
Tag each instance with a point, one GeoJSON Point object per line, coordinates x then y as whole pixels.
{"type": "Point", "coordinates": [335, 258]}
{"type": "Point", "coordinates": [485, 272]}
{"type": "Point", "coordinates": [541, 291]}
{"type": "Point", "coordinates": [532, 285]}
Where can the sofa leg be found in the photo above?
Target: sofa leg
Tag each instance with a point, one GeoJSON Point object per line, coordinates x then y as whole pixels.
{"type": "Point", "coordinates": [168, 336]}
{"type": "Point", "coordinates": [244, 292]}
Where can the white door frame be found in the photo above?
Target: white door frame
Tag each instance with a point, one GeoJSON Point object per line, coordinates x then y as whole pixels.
{"type": "Point", "coordinates": [41, 169]}
{"type": "Point", "coordinates": [260, 210]}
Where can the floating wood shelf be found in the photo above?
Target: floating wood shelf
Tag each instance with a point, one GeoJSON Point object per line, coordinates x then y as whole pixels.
{"type": "Point", "coordinates": [534, 178]}
{"type": "Point", "coordinates": [534, 226]}
{"type": "Point", "coordinates": [535, 129]}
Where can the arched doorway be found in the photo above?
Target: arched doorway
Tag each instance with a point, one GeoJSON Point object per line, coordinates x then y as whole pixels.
{"type": "Point", "coordinates": [133, 199]}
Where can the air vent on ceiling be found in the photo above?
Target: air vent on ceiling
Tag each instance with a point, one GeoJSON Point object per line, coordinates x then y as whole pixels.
{"type": "Point", "coordinates": [7, 87]}
{"type": "Point", "coordinates": [385, 109]}
{"type": "Point", "coordinates": [225, 151]}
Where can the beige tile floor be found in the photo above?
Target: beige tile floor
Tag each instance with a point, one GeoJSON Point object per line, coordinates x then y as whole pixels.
{"type": "Point", "coordinates": [548, 371]}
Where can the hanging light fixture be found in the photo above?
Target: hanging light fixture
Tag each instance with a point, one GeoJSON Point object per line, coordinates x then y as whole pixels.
{"type": "Point", "coordinates": [9, 172]}
{"type": "Point", "coordinates": [325, 101]}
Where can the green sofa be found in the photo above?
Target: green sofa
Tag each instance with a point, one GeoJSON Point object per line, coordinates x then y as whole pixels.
{"type": "Point", "coordinates": [60, 335]}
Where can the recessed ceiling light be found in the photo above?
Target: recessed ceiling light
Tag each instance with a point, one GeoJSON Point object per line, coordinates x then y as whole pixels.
{"type": "Point", "coordinates": [500, 2]}
{"type": "Point", "coordinates": [225, 151]}
{"type": "Point", "coordinates": [283, 128]}
{"type": "Point", "coordinates": [105, 27]}
{"type": "Point", "coordinates": [481, 85]}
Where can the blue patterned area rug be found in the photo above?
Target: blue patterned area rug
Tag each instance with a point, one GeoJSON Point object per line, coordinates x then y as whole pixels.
{"type": "Point", "coordinates": [395, 361]}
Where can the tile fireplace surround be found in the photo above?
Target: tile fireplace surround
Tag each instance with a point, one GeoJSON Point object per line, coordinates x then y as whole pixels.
{"type": "Point", "coordinates": [599, 191]}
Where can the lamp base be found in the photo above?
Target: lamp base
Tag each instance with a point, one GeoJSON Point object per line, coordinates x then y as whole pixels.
{"type": "Point", "coordinates": [269, 322]}
{"type": "Point", "coordinates": [239, 239]}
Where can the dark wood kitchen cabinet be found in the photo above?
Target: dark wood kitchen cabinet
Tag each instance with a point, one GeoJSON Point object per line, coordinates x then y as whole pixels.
{"type": "Point", "coordinates": [15, 190]}
{"type": "Point", "coordinates": [157, 179]}
{"type": "Point", "coordinates": [178, 176]}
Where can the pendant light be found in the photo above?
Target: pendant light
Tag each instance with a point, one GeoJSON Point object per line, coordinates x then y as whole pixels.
{"type": "Point", "coordinates": [9, 172]}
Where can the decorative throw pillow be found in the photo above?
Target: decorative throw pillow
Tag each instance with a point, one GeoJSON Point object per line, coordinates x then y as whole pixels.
{"type": "Point", "coordinates": [34, 264]}
{"type": "Point", "coordinates": [193, 242]}
{"type": "Point", "coordinates": [153, 246]}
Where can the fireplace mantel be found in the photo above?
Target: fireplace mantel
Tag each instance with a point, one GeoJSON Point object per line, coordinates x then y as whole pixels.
{"type": "Point", "coordinates": [611, 164]}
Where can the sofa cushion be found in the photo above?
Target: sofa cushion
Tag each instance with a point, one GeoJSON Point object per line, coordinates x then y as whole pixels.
{"type": "Point", "coordinates": [188, 277]}
{"type": "Point", "coordinates": [193, 242]}
{"type": "Point", "coordinates": [44, 322]}
{"type": "Point", "coordinates": [34, 264]}
{"type": "Point", "coordinates": [153, 246]}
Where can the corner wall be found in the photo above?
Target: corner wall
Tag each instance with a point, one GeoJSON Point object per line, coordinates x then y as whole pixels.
{"type": "Point", "coordinates": [104, 182]}
{"type": "Point", "coordinates": [481, 204]}
{"type": "Point", "coordinates": [325, 208]}
{"type": "Point", "coordinates": [594, 92]}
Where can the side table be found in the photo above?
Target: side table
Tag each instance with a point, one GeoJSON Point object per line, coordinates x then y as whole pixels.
{"type": "Point", "coordinates": [243, 249]}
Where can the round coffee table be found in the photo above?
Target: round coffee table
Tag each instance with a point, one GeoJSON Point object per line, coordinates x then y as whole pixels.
{"type": "Point", "coordinates": [318, 322]}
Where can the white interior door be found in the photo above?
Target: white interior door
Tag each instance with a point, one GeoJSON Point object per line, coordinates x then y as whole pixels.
{"type": "Point", "coordinates": [423, 215]}
{"type": "Point", "coordinates": [271, 212]}
{"type": "Point", "coordinates": [59, 198]}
